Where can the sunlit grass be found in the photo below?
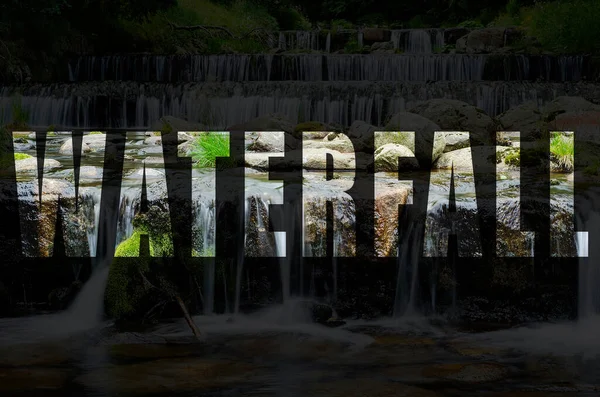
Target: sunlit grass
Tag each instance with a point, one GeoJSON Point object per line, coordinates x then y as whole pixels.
{"type": "Point", "coordinates": [562, 149]}
{"type": "Point", "coordinates": [207, 147]}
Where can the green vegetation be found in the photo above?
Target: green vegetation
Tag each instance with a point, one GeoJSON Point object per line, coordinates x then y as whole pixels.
{"type": "Point", "coordinates": [562, 149]}
{"type": "Point", "coordinates": [96, 133]}
{"type": "Point", "coordinates": [21, 156]}
{"type": "Point", "coordinates": [207, 147]}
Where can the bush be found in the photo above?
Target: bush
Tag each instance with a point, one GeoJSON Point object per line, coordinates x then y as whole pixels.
{"type": "Point", "coordinates": [566, 26]}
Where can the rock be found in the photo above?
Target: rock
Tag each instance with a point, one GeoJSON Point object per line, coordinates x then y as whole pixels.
{"type": "Point", "coordinates": [60, 298]}
{"type": "Point", "coordinates": [321, 313]}
{"type": "Point", "coordinates": [185, 149]}
{"type": "Point", "coordinates": [257, 161]}
{"type": "Point", "coordinates": [312, 130]}
{"type": "Point", "coordinates": [453, 115]}
{"type": "Point", "coordinates": [153, 140]}
{"type": "Point", "coordinates": [404, 121]}
{"type": "Point", "coordinates": [30, 165]}
{"type": "Point", "coordinates": [169, 123]}
{"type": "Point", "coordinates": [386, 47]}
{"type": "Point", "coordinates": [452, 35]}
{"type": "Point", "coordinates": [482, 41]}
{"type": "Point", "coordinates": [360, 129]}
{"type": "Point", "coordinates": [89, 144]}
{"type": "Point", "coordinates": [585, 123]}
{"type": "Point", "coordinates": [456, 140]}
{"type": "Point", "coordinates": [272, 122]}
{"type": "Point", "coordinates": [391, 156]}
{"type": "Point", "coordinates": [268, 142]}
{"type": "Point", "coordinates": [376, 34]}
{"type": "Point", "coordinates": [389, 197]}
{"type": "Point", "coordinates": [525, 118]}
{"type": "Point", "coordinates": [565, 104]}
{"type": "Point", "coordinates": [458, 159]}
{"type": "Point", "coordinates": [316, 159]}
{"type": "Point", "coordinates": [340, 143]}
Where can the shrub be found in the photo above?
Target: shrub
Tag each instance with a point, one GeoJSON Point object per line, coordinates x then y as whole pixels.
{"type": "Point", "coordinates": [566, 26]}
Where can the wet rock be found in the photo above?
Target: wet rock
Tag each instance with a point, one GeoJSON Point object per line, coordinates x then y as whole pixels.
{"type": "Point", "coordinates": [386, 220]}
{"type": "Point", "coordinates": [405, 121]}
{"type": "Point", "coordinates": [392, 157]}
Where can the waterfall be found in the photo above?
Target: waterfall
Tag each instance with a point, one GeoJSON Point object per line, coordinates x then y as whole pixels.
{"type": "Point", "coordinates": [221, 105]}
{"type": "Point", "coordinates": [418, 63]}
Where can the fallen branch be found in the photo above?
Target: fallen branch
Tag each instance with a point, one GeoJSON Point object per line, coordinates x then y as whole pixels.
{"type": "Point", "coordinates": [187, 316]}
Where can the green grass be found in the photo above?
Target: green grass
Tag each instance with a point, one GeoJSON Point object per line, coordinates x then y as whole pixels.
{"type": "Point", "coordinates": [209, 146]}
{"type": "Point", "coordinates": [96, 133]}
{"type": "Point", "coordinates": [22, 156]}
{"type": "Point", "coordinates": [562, 149]}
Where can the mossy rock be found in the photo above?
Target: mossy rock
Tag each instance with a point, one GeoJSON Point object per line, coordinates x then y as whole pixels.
{"type": "Point", "coordinates": [125, 286]}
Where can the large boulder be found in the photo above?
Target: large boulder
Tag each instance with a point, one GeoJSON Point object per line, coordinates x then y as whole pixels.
{"type": "Point", "coordinates": [456, 140]}
{"type": "Point", "coordinates": [31, 165]}
{"type": "Point", "coordinates": [316, 159]}
{"type": "Point", "coordinates": [454, 115]}
{"type": "Point", "coordinates": [482, 41]}
{"type": "Point", "coordinates": [389, 157]}
{"type": "Point", "coordinates": [565, 104]}
{"type": "Point", "coordinates": [404, 121]}
{"type": "Point", "coordinates": [586, 124]}
{"type": "Point", "coordinates": [90, 144]}
{"type": "Point", "coordinates": [525, 118]}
